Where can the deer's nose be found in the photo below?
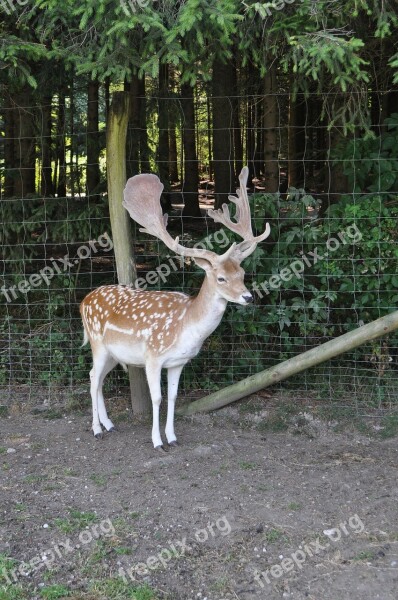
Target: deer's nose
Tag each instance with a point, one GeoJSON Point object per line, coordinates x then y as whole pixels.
{"type": "Point", "coordinates": [248, 298]}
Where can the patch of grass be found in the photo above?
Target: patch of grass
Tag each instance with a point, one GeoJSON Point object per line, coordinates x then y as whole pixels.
{"type": "Point", "coordinates": [20, 507]}
{"type": "Point", "coordinates": [12, 592]}
{"type": "Point", "coordinates": [3, 450]}
{"type": "Point", "coordinates": [116, 588]}
{"type": "Point", "coordinates": [6, 467]}
{"type": "Point", "coordinates": [99, 480]}
{"type": "Point", "coordinates": [3, 410]}
{"type": "Point", "coordinates": [273, 535]}
{"type": "Point", "coordinates": [123, 550]}
{"type": "Point", "coordinates": [70, 472]}
{"type": "Point", "coordinates": [390, 424]}
{"type": "Point", "coordinates": [6, 564]}
{"type": "Point", "coordinates": [77, 520]}
{"type": "Point", "coordinates": [294, 506]}
{"type": "Point", "coordinates": [247, 466]}
{"type": "Point", "coordinates": [52, 592]}
{"type": "Point", "coordinates": [364, 555]}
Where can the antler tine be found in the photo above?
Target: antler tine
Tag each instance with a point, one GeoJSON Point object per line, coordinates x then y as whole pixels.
{"type": "Point", "coordinates": [242, 215]}
{"type": "Point", "coordinates": [142, 201]}
{"type": "Point", "coordinates": [242, 226]}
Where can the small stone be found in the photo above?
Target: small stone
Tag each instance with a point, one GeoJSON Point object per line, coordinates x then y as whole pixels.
{"type": "Point", "coordinates": [46, 526]}
{"type": "Point", "coordinates": [11, 450]}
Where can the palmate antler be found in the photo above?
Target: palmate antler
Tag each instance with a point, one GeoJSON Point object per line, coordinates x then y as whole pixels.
{"type": "Point", "coordinates": [142, 201]}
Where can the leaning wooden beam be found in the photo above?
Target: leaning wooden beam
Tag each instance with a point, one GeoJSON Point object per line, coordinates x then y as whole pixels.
{"type": "Point", "coordinates": [282, 371]}
{"type": "Point", "coordinates": [120, 224]}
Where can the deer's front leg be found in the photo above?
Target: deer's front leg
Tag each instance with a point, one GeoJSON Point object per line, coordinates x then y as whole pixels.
{"type": "Point", "coordinates": [173, 378]}
{"type": "Point", "coordinates": [153, 371]}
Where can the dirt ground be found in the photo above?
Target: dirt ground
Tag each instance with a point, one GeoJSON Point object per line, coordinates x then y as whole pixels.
{"type": "Point", "coordinates": [232, 513]}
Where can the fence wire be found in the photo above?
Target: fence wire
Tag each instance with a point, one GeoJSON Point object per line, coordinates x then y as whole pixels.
{"type": "Point", "coordinates": [329, 266]}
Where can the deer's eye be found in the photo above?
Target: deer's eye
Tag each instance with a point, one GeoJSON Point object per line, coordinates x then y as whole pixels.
{"type": "Point", "coordinates": [221, 279]}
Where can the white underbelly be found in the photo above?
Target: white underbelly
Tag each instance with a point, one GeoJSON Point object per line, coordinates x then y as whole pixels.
{"type": "Point", "coordinates": [129, 355]}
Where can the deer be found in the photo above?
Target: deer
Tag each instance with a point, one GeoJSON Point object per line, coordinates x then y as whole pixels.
{"type": "Point", "coordinates": [159, 330]}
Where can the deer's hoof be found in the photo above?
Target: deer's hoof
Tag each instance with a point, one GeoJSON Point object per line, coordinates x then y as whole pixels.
{"type": "Point", "coordinates": [174, 444]}
{"type": "Point", "coordinates": [112, 429]}
{"type": "Point", "coordinates": [99, 436]}
{"type": "Point", "coordinates": [161, 449]}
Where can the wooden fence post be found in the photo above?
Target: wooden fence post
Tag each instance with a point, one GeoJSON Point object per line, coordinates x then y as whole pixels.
{"type": "Point", "coordinates": [121, 228]}
{"type": "Point", "coordinates": [301, 362]}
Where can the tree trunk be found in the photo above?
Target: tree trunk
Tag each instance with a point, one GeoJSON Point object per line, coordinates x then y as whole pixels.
{"type": "Point", "coordinates": [133, 132]}
{"type": "Point", "coordinates": [297, 364]}
{"type": "Point", "coordinates": [9, 148]}
{"type": "Point", "coordinates": [46, 183]}
{"type": "Point", "coordinates": [296, 141]}
{"type": "Point", "coordinates": [173, 155]}
{"type": "Point", "coordinates": [25, 145]}
{"type": "Point", "coordinates": [190, 185]}
{"type": "Point", "coordinates": [60, 143]}
{"type": "Point", "coordinates": [143, 137]}
{"type": "Point", "coordinates": [271, 138]}
{"type": "Point", "coordinates": [223, 147]}
{"type": "Point", "coordinates": [93, 170]}
{"type": "Point", "coordinates": [120, 223]}
{"type": "Point", "coordinates": [236, 125]}
{"type": "Point", "coordinates": [163, 127]}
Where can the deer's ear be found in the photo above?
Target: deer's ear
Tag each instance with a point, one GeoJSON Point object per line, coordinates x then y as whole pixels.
{"type": "Point", "coordinates": [203, 263]}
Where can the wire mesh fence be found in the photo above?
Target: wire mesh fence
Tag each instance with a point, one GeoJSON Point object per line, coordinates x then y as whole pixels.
{"type": "Point", "coordinates": [331, 198]}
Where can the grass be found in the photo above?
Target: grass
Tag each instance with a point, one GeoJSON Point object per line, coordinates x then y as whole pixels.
{"type": "Point", "coordinates": [52, 592]}
{"type": "Point", "coordinates": [247, 466]}
{"type": "Point", "coordinates": [390, 425]}
{"type": "Point", "coordinates": [77, 520]}
{"type": "Point", "coordinates": [99, 480]}
{"type": "Point", "coordinates": [294, 506]}
{"type": "Point", "coordinates": [273, 535]}
{"type": "Point", "coordinates": [14, 592]}
{"type": "Point", "coordinates": [3, 450]}
{"type": "Point", "coordinates": [116, 588]}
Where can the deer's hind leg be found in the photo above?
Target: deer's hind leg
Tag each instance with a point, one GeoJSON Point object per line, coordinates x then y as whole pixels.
{"type": "Point", "coordinates": [103, 362]}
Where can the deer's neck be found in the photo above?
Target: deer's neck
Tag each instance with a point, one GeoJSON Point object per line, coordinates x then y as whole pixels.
{"type": "Point", "coordinates": [207, 309]}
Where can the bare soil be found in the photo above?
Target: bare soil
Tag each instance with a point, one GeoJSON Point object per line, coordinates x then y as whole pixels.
{"type": "Point", "coordinates": [199, 521]}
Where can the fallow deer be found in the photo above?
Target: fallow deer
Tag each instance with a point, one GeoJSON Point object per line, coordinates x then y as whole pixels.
{"type": "Point", "coordinates": [155, 329]}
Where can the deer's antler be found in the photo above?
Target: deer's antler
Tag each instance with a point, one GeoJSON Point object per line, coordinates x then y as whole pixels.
{"type": "Point", "coordinates": [142, 201]}
{"type": "Point", "coordinates": [242, 226]}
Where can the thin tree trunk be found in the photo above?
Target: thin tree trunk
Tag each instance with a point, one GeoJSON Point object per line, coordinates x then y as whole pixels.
{"type": "Point", "coordinates": [173, 155]}
{"type": "Point", "coordinates": [60, 144]}
{"type": "Point", "coordinates": [191, 172]}
{"type": "Point", "coordinates": [223, 148]}
{"type": "Point", "coordinates": [25, 146]}
{"type": "Point", "coordinates": [163, 126]}
{"type": "Point", "coordinates": [296, 140]}
{"type": "Point", "coordinates": [271, 138]}
{"type": "Point", "coordinates": [237, 130]}
{"type": "Point", "coordinates": [93, 170]}
{"type": "Point", "coordinates": [9, 148]}
{"type": "Point", "coordinates": [46, 183]}
{"type": "Point", "coordinates": [133, 132]}
{"type": "Point", "coordinates": [143, 137]}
